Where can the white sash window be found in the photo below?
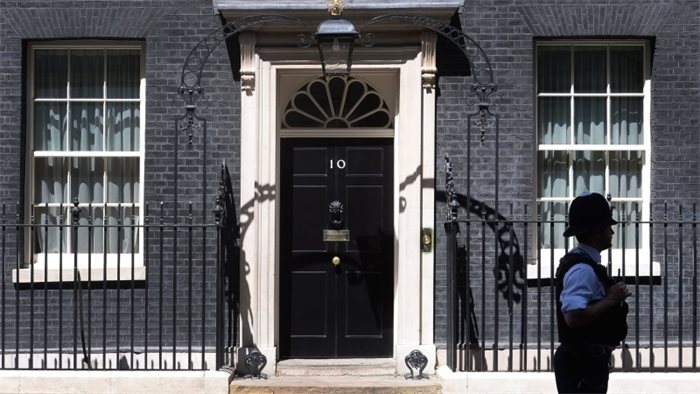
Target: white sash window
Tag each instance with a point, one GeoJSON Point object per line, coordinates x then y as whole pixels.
{"type": "Point", "coordinates": [593, 135]}
{"type": "Point", "coordinates": [86, 142]}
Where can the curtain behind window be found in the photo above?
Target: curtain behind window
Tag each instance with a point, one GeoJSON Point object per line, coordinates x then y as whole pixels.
{"type": "Point", "coordinates": [86, 100]}
{"type": "Point", "coordinates": [580, 89]}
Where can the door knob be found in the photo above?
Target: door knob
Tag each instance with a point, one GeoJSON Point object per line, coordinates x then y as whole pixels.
{"type": "Point", "coordinates": [335, 260]}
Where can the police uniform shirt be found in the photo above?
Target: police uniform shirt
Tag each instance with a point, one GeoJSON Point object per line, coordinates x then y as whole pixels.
{"type": "Point", "coordinates": [581, 285]}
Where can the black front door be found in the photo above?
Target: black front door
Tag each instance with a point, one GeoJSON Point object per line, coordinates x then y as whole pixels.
{"type": "Point", "coordinates": [336, 248]}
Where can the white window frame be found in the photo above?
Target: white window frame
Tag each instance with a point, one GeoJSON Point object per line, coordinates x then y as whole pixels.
{"type": "Point", "coordinates": [54, 267]}
{"type": "Point", "coordinates": [616, 255]}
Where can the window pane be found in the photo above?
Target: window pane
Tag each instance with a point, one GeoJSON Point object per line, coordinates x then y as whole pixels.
{"type": "Point", "coordinates": [625, 231]}
{"type": "Point", "coordinates": [589, 172]}
{"type": "Point", "coordinates": [50, 180]}
{"type": "Point", "coordinates": [123, 126]}
{"type": "Point", "coordinates": [87, 180]}
{"type": "Point", "coordinates": [123, 180]}
{"type": "Point", "coordinates": [90, 238]}
{"type": "Point", "coordinates": [626, 116]}
{"type": "Point", "coordinates": [86, 73]}
{"type": "Point", "coordinates": [86, 127]}
{"type": "Point", "coordinates": [123, 73]}
{"type": "Point", "coordinates": [47, 233]}
{"type": "Point", "coordinates": [49, 126]}
{"type": "Point", "coordinates": [554, 178]}
{"type": "Point", "coordinates": [589, 118]}
{"type": "Point", "coordinates": [122, 239]}
{"type": "Point", "coordinates": [589, 70]}
{"type": "Point", "coordinates": [626, 69]}
{"type": "Point", "coordinates": [553, 120]}
{"type": "Point", "coordinates": [50, 73]}
{"type": "Point", "coordinates": [553, 69]}
{"type": "Point", "coordinates": [553, 224]}
{"type": "Point", "coordinates": [626, 174]}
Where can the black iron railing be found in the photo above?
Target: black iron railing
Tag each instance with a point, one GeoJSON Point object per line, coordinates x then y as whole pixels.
{"type": "Point", "coordinates": [502, 302]}
{"type": "Point", "coordinates": [503, 299]}
{"type": "Point", "coordinates": [132, 297]}
{"type": "Point", "coordinates": [146, 306]}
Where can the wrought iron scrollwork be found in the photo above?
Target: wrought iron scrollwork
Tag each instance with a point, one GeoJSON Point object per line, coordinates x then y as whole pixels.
{"type": "Point", "coordinates": [452, 204]}
{"type": "Point", "coordinates": [191, 77]}
{"type": "Point", "coordinates": [224, 198]}
{"type": "Point", "coordinates": [510, 258]}
{"type": "Point", "coordinates": [255, 362]}
{"type": "Point", "coordinates": [416, 361]}
{"type": "Point", "coordinates": [483, 86]}
{"type": "Point", "coordinates": [335, 212]}
{"type": "Point", "coordinates": [477, 59]}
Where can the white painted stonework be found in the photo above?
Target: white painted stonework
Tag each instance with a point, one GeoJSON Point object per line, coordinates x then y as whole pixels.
{"type": "Point", "coordinates": [399, 73]}
{"type": "Point", "coordinates": [94, 382]}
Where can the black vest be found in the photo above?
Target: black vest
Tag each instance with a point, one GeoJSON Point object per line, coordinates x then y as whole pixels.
{"type": "Point", "coordinates": [610, 329]}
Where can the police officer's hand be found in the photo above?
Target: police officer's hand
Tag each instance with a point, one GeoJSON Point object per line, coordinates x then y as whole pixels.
{"type": "Point", "coordinates": [618, 292]}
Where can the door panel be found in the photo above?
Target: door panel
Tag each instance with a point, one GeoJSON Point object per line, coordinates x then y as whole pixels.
{"type": "Point", "coordinates": [309, 214]}
{"type": "Point", "coordinates": [365, 217]}
{"type": "Point", "coordinates": [362, 317]}
{"type": "Point", "coordinates": [342, 310]}
{"type": "Point", "coordinates": [304, 306]}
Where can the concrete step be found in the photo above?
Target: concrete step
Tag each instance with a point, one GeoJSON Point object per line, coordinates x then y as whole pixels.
{"type": "Point", "coordinates": [337, 367]}
{"type": "Point", "coordinates": [335, 385]}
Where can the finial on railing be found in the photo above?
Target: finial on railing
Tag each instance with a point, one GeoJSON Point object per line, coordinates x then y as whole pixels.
{"type": "Point", "coordinates": [219, 210]}
{"type": "Point", "coordinates": [75, 211]}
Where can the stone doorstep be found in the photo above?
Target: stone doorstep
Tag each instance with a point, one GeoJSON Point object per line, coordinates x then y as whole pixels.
{"type": "Point", "coordinates": [337, 367]}
{"type": "Point", "coordinates": [336, 384]}
{"type": "Point", "coordinates": [353, 376]}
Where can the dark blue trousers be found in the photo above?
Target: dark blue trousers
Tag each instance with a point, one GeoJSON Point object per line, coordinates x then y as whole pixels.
{"type": "Point", "coordinates": [582, 368]}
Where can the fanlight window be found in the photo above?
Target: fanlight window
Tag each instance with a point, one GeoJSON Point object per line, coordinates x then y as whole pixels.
{"type": "Point", "coordinates": [336, 103]}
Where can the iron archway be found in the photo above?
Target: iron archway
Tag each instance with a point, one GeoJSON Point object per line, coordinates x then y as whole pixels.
{"type": "Point", "coordinates": [190, 91]}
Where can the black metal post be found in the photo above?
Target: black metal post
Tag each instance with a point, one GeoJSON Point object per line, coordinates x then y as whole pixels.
{"type": "Point", "coordinates": [133, 283]}
{"type": "Point", "coordinates": [160, 290]}
{"type": "Point", "coordinates": [2, 298]}
{"type": "Point", "coordinates": [451, 229]}
{"type": "Point", "coordinates": [218, 213]}
{"type": "Point", "coordinates": [46, 286]}
{"type": "Point", "coordinates": [665, 286]}
{"type": "Point", "coordinates": [89, 287]}
{"type": "Point", "coordinates": [695, 287]}
{"type": "Point", "coordinates": [75, 216]}
{"type": "Point", "coordinates": [118, 290]}
{"type": "Point", "coordinates": [146, 308]}
{"type": "Point", "coordinates": [680, 288]}
{"type": "Point", "coordinates": [189, 286]}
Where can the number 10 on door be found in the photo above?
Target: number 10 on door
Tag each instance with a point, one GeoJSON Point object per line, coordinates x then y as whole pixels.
{"type": "Point", "coordinates": [337, 164]}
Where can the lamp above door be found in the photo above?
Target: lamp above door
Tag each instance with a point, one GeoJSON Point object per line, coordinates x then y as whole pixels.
{"type": "Point", "coordinates": [336, 40]}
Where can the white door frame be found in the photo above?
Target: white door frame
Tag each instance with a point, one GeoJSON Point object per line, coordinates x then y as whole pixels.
{"type": "Point", "coordinates": [262, 71]}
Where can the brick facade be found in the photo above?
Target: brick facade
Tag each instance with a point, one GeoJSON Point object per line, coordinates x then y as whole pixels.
{"type": "Point", "coordinates": [505, 29]}
{"type": "Point", "coordinates": [169, 29]}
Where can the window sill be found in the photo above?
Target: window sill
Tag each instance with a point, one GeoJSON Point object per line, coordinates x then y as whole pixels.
{"type": "Point", "coordinates": [549, 257]}
{"type": "Point", "coordinates": [96, 274]}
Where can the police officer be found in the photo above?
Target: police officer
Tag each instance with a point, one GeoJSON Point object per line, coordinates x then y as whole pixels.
{"type": "Point", "coordinates": [591, 307]}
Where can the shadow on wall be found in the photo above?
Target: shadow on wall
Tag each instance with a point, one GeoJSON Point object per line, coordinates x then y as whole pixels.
{"type": "Point", "coordinates": [509, 260]}
{"type": "Point", "coordinates": [231, 258]}
{"type": "Point", "coordinates": [240, 264]}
